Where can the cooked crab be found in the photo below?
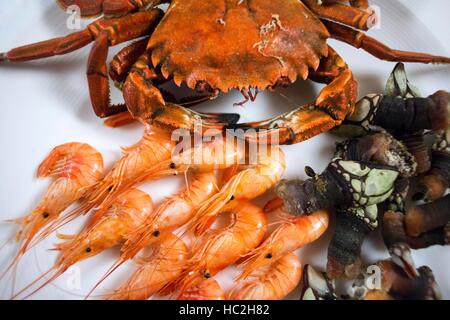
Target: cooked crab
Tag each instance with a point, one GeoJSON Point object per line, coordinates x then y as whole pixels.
{"type": "Point", "coordinates": [218, 45]}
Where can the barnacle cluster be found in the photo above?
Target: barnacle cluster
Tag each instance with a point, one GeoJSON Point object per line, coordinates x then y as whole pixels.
{"type": "Point", "coordinates": [368, 182]}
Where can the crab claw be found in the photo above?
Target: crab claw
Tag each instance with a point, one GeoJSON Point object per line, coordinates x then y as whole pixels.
{"type": "Point", "coordinates": [178, 117]}
{"type": "Point", "coordinates": [292, 127]}
{"type": "Point", "coordinates": [146, 102]}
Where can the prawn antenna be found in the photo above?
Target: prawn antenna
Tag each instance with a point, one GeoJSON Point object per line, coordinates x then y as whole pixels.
{"type": "Point", "coordinates": [53, 277]}
{"type": "Point", "coordinates": [113, 268]}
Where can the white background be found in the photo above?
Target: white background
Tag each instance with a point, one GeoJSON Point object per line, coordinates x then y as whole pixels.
{"type": "Point", "coordinates": [46, 103]}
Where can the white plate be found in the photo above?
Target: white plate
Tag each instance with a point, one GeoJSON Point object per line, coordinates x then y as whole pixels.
{"type": "Point", "coordinates": [46, 103]}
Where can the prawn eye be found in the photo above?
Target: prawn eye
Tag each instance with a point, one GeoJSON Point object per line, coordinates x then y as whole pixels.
{"type": "Point", "coordinates": [110, 189]}
{"type": "Point", "coordinates": [45, 215]}
{"type": "Point", "coordinates": [156, 233]}
{"type": "Point", "coordinates": [207, 275]}
{"type": "Point", "coordinates": [269, 256]}
{"type": "Point", "coordinates": [232, 198]}
{"type": "Point", "coordinates": [173, 165]}
{"type": "Point", "coordinates": [88, 249]}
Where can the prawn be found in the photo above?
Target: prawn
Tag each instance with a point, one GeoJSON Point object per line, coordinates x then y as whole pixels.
{"type": "Point", "coordinates": [155, 146]}
{"type": "Point", "coordinates": [174, 212]}
{"type": "Point", "coordinates": [289, 236]}
{"type": "Point", "coordinates": [245, 185]}
{"type": "Point", "coordinates": [206, 157]}
{"type": "Point", "coordinates": [155, 270]}
{"type": "Point", "coordinates": [222, 247]}
{"type": "Point", "coordinates": [127, 213]}
{"type": "Point", "coordinates": [272, 281]}
{"type": "Point", "coordinates": [75, 168]}
{"type": "Point", "coordinates": [202, 288]}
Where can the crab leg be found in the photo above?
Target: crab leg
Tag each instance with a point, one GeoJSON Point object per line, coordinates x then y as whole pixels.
{"type": "Point", "coordinates": [88, 8]}
{"type": "Point", "coordinates": [123, 61]}
{"type": "Point", "coordinates": [362, 41]}
{"type": "Point", "coordinates": [49, 48]}
{"type": "Point", "coordinates": [106, 33]}
{"type": "Point", "coordinates": [334, 103]}
{"type": "Point", "coordinates": [122, 7]}
{"type": "Point", "coordinates": [97, 76]}
{"type": "Point", "coordinates": [115, 8]}
{"type": "Point", "coordinates": [352, 16]}
{"type": "Point", "coordinates": [361, 4]}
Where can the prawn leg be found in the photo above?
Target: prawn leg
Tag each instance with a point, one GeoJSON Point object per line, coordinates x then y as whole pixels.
{"type": "Point", "coordinates": [288, 237]}
{"type": "Point", "coordinates": [220, 248]}
{"type": "Point", "coordinates": [245, 185]}
{"type": "Point", "coordinates": [155, 271]}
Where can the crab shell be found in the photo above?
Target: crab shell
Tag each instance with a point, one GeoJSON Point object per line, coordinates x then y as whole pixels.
{"type": "Point", "coordinates": [226, 44]}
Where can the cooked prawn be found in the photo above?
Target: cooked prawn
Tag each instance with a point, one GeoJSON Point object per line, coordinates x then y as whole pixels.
{"type": "Point", "coordinates": [174, 212]}
{"type": "Point", "coordinates": [245, 185]}
{"type": "Point", "coordinates": [205, 157]}
{"type": "Point", "coordinates": [164, 264]}
{"type": "Point", "coordinates": [127, 213]}
{"type": "Point", "coordinates": [155, 146]}
{"type": "Point", "coordinates": [272, 281]}
{"type": "Point", "coordinates": [75, 168]}
{"type": "Point", "coordinates": [296, 232]}
{"type": "Point", "coordinates": [220, 248]}
{"type": "Point", "coordinates": [202, 289]}
{"type": "Point", "coordinates": [170, 215]}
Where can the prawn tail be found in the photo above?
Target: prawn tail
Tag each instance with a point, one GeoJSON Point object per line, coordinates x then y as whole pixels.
{"type": "Point", "coordinates": [109, 185]}
{"type": "Point", "coordinates": [209, 210]}
{"type": "Point", "coordinates": [51, 165]}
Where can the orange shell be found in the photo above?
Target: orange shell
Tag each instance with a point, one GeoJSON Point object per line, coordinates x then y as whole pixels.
{"type": "Point", "coordinates": [238, 43]}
